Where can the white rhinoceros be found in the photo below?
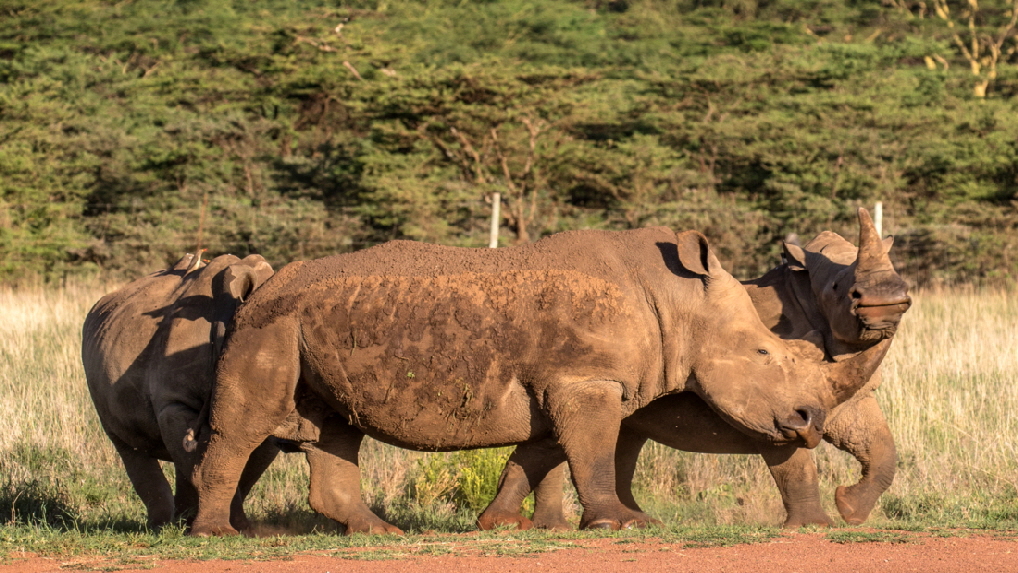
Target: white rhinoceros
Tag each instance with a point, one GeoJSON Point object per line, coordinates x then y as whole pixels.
{"type": "Point", "coordinates": [441, 348]}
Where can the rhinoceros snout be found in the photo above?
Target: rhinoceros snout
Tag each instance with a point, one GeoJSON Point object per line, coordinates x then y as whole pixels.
{"type": "Point", "coordinates": [806, 424]}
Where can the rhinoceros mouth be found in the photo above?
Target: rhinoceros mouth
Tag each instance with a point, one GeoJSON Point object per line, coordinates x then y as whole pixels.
{"type": "Point", "coordinates": [880, 321]}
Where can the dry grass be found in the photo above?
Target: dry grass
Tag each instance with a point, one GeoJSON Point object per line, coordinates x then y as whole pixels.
{"type": "Point", "coordinates": [948, 394]}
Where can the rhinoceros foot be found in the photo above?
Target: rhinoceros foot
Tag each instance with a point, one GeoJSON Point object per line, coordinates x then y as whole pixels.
{"type": "Point", "coordinates": [855, 502]}
{"type": "Point", "coordinates": [797, 520]}
{"type": "Point", "coordinates": [371, 525]}
{"type": "Point", "coordinates": [199, 529]}
{"type": "Point", "coordinates": [553, 523]}
{"type": "Point", "coordinates": [627, 519]}
{"type": "Point", "coordinates": [491, 520]}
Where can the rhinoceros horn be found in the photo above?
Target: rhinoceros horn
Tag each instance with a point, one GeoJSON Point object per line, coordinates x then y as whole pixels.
{"type": "Point", "coordinates": [872, 255]}
{"type": "Point", "coordinates": [850, 375]}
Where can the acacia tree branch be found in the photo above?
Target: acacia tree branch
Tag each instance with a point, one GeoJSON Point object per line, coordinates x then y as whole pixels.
{"type": "Point", "coordinates": [1005, 32]}
{"type": "Point", "coordinates": [973, 52]}
{"type": "Point", "coordinates": [469, 149]}
{"type": "Point", "coordinates": [504, 163]}
{"type": "Point", "coordinates": [534, 130]}
{"type": "Point", "coordinates": [973, 34]}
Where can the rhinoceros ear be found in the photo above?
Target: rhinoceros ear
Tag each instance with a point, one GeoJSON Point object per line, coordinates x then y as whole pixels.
{"type": "Point", "coordinates": [239, 281]}
{"type": "Point", "coordinates": [695, 254]}
{"type": "Point", "coordinates": [793, 256]}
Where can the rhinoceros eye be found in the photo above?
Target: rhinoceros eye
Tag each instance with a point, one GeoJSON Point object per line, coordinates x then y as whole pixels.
{"type": "Point", "coordinates": [762, 352]}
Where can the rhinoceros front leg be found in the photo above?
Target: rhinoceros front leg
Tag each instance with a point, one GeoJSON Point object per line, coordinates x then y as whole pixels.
{"type": "Point", "coordinates": [861, 430]}
{"type": "Point", "coordinates": [586, 417]}
{"type": "Point", "coordinates": [528, 469]}
{"type": "Point", "coordinates": [336, 478]}
{"type": "Point", "coordinates": [148, 480]}
{"type": "Point", "coordinates": [795, 474]}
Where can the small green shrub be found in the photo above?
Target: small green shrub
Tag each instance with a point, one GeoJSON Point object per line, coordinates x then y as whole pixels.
{"type": "Point", "coordinates": [467, 478]}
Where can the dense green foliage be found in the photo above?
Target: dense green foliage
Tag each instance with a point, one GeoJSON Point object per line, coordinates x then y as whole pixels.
{"type": "Point", "coordinates": [133, 131]}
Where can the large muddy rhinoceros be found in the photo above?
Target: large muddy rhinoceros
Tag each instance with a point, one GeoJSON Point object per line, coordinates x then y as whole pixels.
{"type": "Point", "coordinates": [149, 350]}
{"type": "Point", "coordinates": [441, 348]}
{"type": "Point", "coordinates": [854, 298]}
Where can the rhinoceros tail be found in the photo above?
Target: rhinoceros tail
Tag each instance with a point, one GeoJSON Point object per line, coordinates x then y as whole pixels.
{"type": "Point", "coordinates": [194, 434]}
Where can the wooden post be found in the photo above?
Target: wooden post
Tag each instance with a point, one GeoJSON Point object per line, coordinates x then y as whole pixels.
{"type": "Point", "coordinates": [496, 207]}
{"type": "Point", "coordinates": [878, 218]}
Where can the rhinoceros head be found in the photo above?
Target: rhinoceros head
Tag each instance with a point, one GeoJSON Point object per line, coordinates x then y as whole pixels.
{"type": "Point", "coordinates": [204, 302]}
{"type": "Point", "coordinates": [774, 389]}
{"type": "Point", "coordinates": [857, 290]}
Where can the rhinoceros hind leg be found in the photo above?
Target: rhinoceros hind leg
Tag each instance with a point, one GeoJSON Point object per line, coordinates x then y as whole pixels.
{"type": "Point", "coordinates": [861, 430]}
{"type": "Point", "coordinates": [548, 500]}
{"type": "Point", "coordinates": [336, 478]}
{"type": "Point", "coordinates": [148, 480]}
{"type": "Point", "coordinates": [795, 474]}
{"type": "Point", "coordinates": [627, 453]}
{"type": "Point", "coordinates": [528, 470]}
{"type": "Point", "coordinates": [259, 461]}
{"type": "Point", "coordinates": [243, 416]}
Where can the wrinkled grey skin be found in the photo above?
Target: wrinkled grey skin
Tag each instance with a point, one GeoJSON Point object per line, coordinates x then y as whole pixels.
{"type": "Point", "coordinates": [438, 349]}
{"type": "Point", "coordinates": [149, 351]}
{"type": "Point", "coordinates": [855, 300]}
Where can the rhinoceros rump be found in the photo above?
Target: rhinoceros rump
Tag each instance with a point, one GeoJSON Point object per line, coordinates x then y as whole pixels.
{"type": "Point", "coordinates": [854, 299]}
{"type": "Point", "coordinates": [440, 348]}
{"type": "Point", "coordinates": [148, 351]}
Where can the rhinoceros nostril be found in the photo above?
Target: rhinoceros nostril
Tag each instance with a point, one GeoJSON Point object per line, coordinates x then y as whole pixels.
{"type": "Point", "coordinates": [805, 424]}
{"type": "Point", "coordinates": [796, 422]}
{"type": "Point", "coordinates": [804, 419]}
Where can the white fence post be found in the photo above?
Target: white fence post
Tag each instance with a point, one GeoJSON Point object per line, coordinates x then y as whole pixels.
{"type": "Point", "coordinates": [496, 207]}
{"type": "Point", "coordinates": [878, 218]}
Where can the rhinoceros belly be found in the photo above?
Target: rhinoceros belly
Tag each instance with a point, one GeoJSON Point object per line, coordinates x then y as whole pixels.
{"type": "Point", "coordinates": [459, 361]}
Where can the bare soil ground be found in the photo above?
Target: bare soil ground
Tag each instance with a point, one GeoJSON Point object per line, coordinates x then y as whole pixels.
{"type": "Point", "coordinates": [791, 553]}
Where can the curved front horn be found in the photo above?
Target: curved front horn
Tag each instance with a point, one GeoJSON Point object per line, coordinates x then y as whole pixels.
{"type": "Point", "coordinates": [849, 376]}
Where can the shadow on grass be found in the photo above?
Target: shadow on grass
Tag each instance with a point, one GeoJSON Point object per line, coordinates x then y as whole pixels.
{"type": "Point", "coordinates": [49, 488]}
{"type": "Point", "coordinates": [40, 504]}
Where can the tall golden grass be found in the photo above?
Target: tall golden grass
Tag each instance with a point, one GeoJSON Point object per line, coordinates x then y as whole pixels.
{"type": "Point", "coordinates": [949, 394]}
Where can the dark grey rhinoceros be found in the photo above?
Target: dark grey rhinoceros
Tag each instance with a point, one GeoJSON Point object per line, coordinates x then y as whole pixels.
{"type": "Point", "coordinates": [440, 348]}
{"type": "Point", "coordinates": [149, 350]}
{"type": "Point", "coordinates": [855, 300]}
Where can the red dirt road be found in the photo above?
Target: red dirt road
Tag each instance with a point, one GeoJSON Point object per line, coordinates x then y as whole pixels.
{"type": "Point", "coordinates": [793, 553]}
